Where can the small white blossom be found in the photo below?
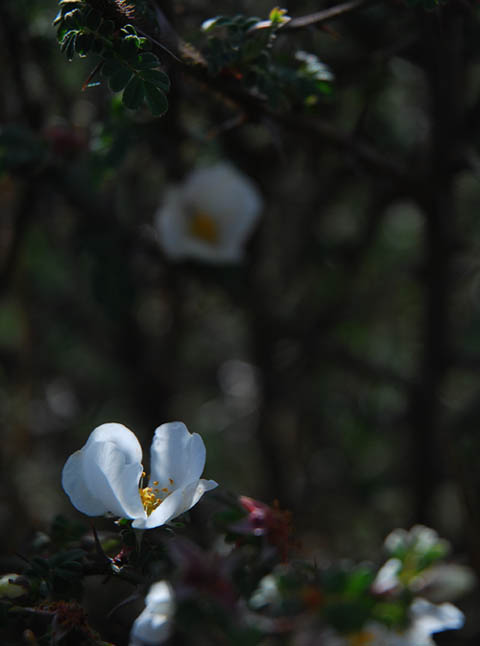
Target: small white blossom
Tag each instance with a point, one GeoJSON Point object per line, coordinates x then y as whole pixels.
{"type": "Point", "coordinates": [445, 582]}
{"type": "Point", "coordinates": [420, 538]}
{"type": "Point", "coordinates": [210, 216]}
{"type": "Point", "coordinates": [10, 589]}
{"type": "Point", "coordinates": [425, 619]}
{"type": "Point", "coordinates": [106, 475]}
{"type": "Point", "coordinates": [267, 593]}
{"type": "Point", "coordinates": [154, 625]}
{"type": "Point", "coordinates": [387, 577]}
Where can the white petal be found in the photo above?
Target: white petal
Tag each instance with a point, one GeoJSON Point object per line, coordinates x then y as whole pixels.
{"type": "Point", "coordinates": [153, 626]}
{"type": "Point", "coordinates": [103, 476]}
{"type": "Point", "coordinates": [225, 193]}
{"type": "Point", "coordinates": [175, 504]}
{"type": "Point", "coordinates": [430, 618]}
{"type": "Point", "coordinates": [387, 577]}
{"type": "Point", "coordinates": [212, 253]}
{"type": "Point", "coordinates": [76, 488]}
{"type": "Point", "coordinates": [150, 629]}
{"type": "Point", "coordinates": [113, 480]}
{"type": "Point", "coordinates": [170, 221]}
{"type": "Point", "coordinates": [120, 435]}
{"type": "Point", "coordinates": [445, 581]}
{"type": "Point", "coordinates": [160, 598]}
{"type": "Point", "coordinates": [177, 455]}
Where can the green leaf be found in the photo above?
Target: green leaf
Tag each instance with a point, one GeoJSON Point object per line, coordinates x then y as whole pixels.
{"type": "Point", "coordinates": [68, 45]}
{"type": "Point", "coordinates": [129, 30]}
{"type": "Point", "coordinates": [120, 78]}
{"type": "Point", "coordinates": [146, 60]}
{"type": "Point", "coordinates": [217, 21]}
{"type": "Point", "coordinates": [127, 48]}
{"type": "Point", "coordinates": [72, 19]}
{"type": "Point", "coordinates": [83, 43]}
{"type": "Point", "coordinates": [157, 78]}
{"type": "Point", "coordinates": [156, 100]}
{"type": "Point", "coordinates": [111, 66]}
{"type": "Point", "coordinates": [134, 93]}
{"type": "Point", "coordinates": [66, 558]}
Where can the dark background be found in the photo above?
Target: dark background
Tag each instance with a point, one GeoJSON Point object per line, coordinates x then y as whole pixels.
{"type": "Point", "coordinates": [335, 369]}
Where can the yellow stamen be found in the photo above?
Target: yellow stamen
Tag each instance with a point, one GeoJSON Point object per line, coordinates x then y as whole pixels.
{"type": "Point", "coordinates": [150, 501]}
{"type": "Point", "coordinates": [203, 226]}
{"type": "Point", "coordinates": [155, 482]}
{"type": "Point", "coordinates": [171, 481]}
{"type": "Point", "coordinates": [165, 489]}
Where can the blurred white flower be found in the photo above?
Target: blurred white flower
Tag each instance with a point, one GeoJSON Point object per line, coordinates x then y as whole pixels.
{"type": "Point", "coordinates": [210, 216]}
{"type": "Point", "coordinates": [106, 475]}
{"type": "Point", "coordinates": [425, 619]}
{"type": "Point", "coordinates": [154, 625]}
{"type": "Point", "coordinates": [387, 577]}
{"type": "Point", "coordinates": [445, 582]}
{"type": "Point", "coordinates": [13, 586]}
{"type": "Point", "coordinates": [420, 538]}
{"type": "Point", "coordinates": [267, 593]}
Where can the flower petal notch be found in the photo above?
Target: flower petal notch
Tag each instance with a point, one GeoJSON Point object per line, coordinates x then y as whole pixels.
{"type": "Point", "coordinates": [210, 216]}
{"type": "Point", "coordinates": [106, 475]}
{"type": "Point", "coordinates": [154, 625]}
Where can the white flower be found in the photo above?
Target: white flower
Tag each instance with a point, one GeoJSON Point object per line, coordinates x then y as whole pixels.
{"type": "Point", "coordinates": [420, 538]}
{"type": "Point", "coordinates": [106, 475]}
{"type": "Point", "coordinates": [387, 577]}
{"type": "Point", "coordinates": [428, 618]}
{"type": "Point", "coordinates": [210, 216]}
{"type": "Point", "coordinates": [267, 593]}
{"type": "Point", "coordinates": [153, 625]}
{"type": "Point", "coordinates": [425, 619]}
{"type": "Point", "coordinates": [445, 581]}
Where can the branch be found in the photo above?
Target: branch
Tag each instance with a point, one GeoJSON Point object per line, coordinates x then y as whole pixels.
{"type": "Point", "coordinates": [254, 107]}
{"type": "Point", "coordinates": [325, 15]}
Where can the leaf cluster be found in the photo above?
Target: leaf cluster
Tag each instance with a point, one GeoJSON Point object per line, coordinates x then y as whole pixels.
{"type": "Point", "coordinates": [58, 573]}
{"type": "Point", "coordinates": [240, 47]}
{"type": "Point", "coordinates": [124, 57]}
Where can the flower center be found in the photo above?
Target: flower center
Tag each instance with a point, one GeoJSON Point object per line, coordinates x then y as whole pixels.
{"type": "Point", "coordinates": [202, 226]}
{"type": "Point", "coordinates": [363, 638]}
{"type": "Point", "coordinates": [152, 497]}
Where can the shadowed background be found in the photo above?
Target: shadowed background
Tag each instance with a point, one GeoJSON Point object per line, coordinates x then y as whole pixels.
{"type": "Point", "coordinates": [336, 368]}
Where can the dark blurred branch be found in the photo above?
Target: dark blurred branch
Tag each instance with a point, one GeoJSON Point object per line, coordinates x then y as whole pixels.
{"type": "Point", "coordinates": [322, 132]}
{"type": "Point", "coordinates": [319, 17]}
{"type": "Point", "coordinates": [15, 53]}
{"type": "Point", "coordinates": [23, 214]}
{"type": "Point", "coordinates": [442, 40]}
{"type": "Point", "coordinates": [256, 109]}
{"type": "Point", "coordinates": [361, 367]}
{"type": "Point", "coordinates": [314, 129]}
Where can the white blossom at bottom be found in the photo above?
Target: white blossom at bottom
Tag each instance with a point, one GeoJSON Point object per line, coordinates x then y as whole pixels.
{"type": "Point", "coordinates": [154, 625]}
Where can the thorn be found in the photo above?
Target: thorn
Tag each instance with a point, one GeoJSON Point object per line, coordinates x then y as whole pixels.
{"type": "Point", "coordinates": [98, 545]}
{"type": "Point", "coordinates": [95, 70]}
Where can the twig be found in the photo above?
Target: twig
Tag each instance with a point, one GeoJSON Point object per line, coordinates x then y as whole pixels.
{"type": "Point", "coordinates": [254, 107]}
{"type": "Point", "coordinates": [325, 15]}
